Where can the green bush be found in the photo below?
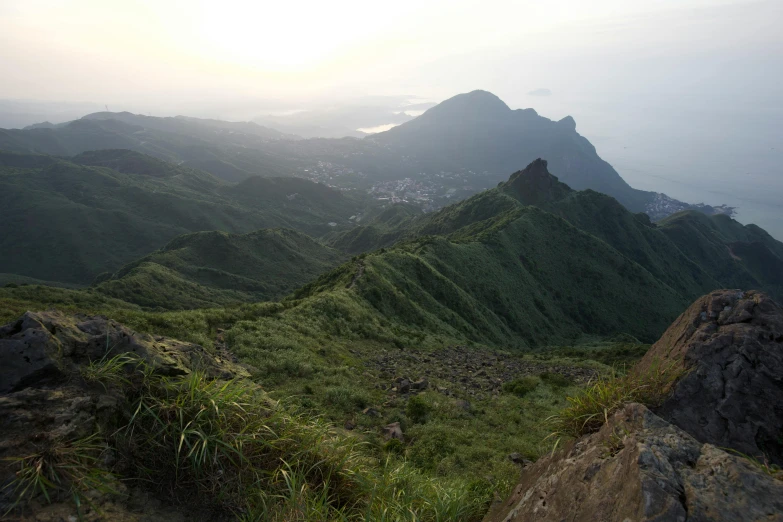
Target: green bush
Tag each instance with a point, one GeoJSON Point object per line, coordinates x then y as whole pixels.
{"type": "Point", "coordinates": [346, 399]}
{"type": "Point", "coordinates": [224, 444]}
{"type": "Point", "coordinates": [394, 446]}
{"type": "Point", "coordinates": [521, 386]}
{"type": "Point", "coordinates": [418, 409]}
{"type": "Point", "coordinates": [556, 380]}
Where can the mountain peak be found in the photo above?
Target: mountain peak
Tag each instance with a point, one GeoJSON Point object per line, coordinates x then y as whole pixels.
{"type": "Point", "coordinates": [534, 185]}
{"type": "Point", "coordinates": [569, 122]}
{"type": "Point", "coordinates": [474, 104]}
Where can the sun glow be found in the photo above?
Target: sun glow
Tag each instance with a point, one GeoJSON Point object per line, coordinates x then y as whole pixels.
{"type": "Point", "coordinates": [292, 35]}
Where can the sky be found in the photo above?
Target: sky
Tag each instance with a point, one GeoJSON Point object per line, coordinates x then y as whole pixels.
{"type": "Point", "coordinates": [681, 96]}
{"type": "Point", "coordinates": [173, 51]}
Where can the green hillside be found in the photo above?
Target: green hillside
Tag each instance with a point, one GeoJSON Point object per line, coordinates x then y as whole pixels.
{"type": "Point", "coordinates": [690, 253]}
{"type": "Point", "coordinates": [742, 256]}
{"type": "Point", "coordinates": [206, 269]}
{"type": "Point", "coordinates": [70, 220]}
{"type": "Point", "coordinates": [504, 304]}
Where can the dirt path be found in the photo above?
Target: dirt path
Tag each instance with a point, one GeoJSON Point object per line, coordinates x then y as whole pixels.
{"type": "Point", "coordinates": [359, 273]}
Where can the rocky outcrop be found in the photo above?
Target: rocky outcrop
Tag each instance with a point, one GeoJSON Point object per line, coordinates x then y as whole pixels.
{"type": "Point", "coordinates": [639, 467]}
{"type": "Point", "coordinates": [731, 343]}
{"type": "Point", "coordinates": [46, 347]}
{"type": "Point", "coordinates": [707, 452]}
{"type": "Point", "coordinates": [44, 399]}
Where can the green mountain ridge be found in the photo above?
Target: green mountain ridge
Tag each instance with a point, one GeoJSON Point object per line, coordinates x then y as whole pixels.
{"type": "Point", "coordinates": [499, 306]}
{"type": "Point", "coordinates": [231, 151]}
{"type": "Point", "coordinates": [207, 269]}
{"type": "Point", "coordinates": [687, 258]}
{"type": "Point", "coordinates": [473, 137]}
{"type": "Point", "coordinates": [68, 221]}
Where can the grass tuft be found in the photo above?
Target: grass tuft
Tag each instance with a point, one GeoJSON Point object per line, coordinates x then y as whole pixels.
{"type": "Point", "coordinates": [69, 469]}
{"type": "Point", "coordinates": [590, 409]}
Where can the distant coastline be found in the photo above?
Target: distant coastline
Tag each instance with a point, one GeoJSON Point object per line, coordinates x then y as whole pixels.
{"type": "Point", "coordinates": [662, 206]}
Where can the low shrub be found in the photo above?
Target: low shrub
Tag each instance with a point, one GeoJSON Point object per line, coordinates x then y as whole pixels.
{"type": "Point", "coordinates": [556, 380]}
{"type": "Point", "coordinates": [522, 386]}
{"type": "Point", "coordinates": [418, 409]}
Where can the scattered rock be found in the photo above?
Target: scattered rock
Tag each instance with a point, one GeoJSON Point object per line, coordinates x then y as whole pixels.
{"type": "Point", "coordinates": [393, 431]}
{"type": "Point", "coordinates": [350, 425]}
{"type": "Point", "coordinates": [459, 369]}
{"type": "Point", "coordinates": [45, 347]}
{"type": "Point", "coordinates": [421, 384]}
{"type": "Point", "coordinates": [43, 400]}
{"type": "Point", "coordinates": [517, 458]}
{"type": "Point", "coordinates": [463, 404]}
{"type": "Point", "coordinates": [371, 412]}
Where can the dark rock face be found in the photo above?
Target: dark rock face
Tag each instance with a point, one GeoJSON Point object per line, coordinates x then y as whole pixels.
{"type": "Point", "coordinates": [535, 185]}
{"type": "Point", "coordinates": [732, 344]}
{"type": "Point", "coordinates": [639, 467]}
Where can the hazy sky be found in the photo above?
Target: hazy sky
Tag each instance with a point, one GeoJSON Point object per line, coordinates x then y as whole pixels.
{"type": "Point", "coordinates": [681, 96]}
{"type": "Point", "coordinates": [155, 52]}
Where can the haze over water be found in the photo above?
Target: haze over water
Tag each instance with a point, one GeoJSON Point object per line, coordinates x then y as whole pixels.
{"type": "Point", "coordinates": [729, 156]}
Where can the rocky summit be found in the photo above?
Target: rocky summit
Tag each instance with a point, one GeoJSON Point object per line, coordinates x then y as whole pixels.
{"type": "Point", "coordinates": [708, 452]}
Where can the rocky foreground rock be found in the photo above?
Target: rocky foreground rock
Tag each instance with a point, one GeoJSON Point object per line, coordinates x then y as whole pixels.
{"type": "Point", "coordinates": [704, 454]}
{"type": "Point", "coordinates": [43, 399]}
{"type": "Point", "coordinates": [731, 342]}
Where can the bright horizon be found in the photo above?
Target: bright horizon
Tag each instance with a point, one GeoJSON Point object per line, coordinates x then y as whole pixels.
{"type": "Point", "coordinates": [150, 53]}
{"type": "Point", "coordinates": [680, 96]}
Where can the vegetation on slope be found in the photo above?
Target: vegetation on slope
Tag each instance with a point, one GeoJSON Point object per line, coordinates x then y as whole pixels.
{"type": "Point", "coordinates": [68, 222]}
{"type": "Point", "coordinates": [467, 284]}
{"type": "Point", "coordinates": [206, 269]}
{"type": "Point", "coordinates": [739, 256]}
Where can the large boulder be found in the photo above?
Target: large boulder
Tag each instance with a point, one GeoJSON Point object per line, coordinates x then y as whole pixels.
{"type": "Point", "coordinates": [639, 467]}
{"type": "Point", "coordinates": [731, 344]}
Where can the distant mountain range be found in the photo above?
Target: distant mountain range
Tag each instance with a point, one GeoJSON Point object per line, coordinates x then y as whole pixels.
{"type": "Point", "coordinates": [474, 136]}
{"type": "Point", "coordinates": [536, 259]}
{"type": "Point", "coordinates": [529, 262]}
{"type": "Point", "coordinates": [231, 151]}
{"type": "Point", "coordinates": [71, 220]}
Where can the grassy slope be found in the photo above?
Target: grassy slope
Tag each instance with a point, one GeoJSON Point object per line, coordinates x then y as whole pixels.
{"type": "Point", "coordinates": [314, 354]}
{"type": "Point", "coordinates": [69, 222]}
{"type": "Point", "coordinates": [690, 253]}
{"type": "Point", "coordinates": [217, 268]}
